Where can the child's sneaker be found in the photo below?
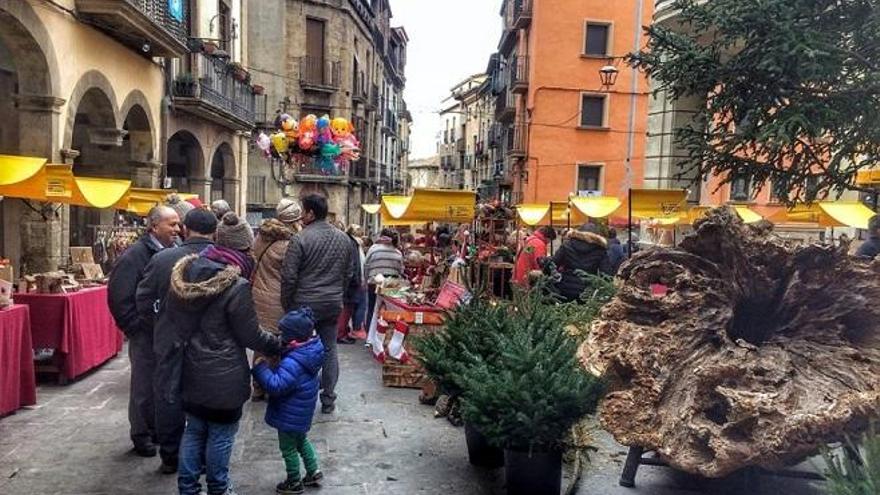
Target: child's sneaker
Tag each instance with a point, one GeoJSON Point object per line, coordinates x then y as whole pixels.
{"type": "Point", "coordinates": [313, 479]}
{"type": "Point", "coordinates": [290, 486]}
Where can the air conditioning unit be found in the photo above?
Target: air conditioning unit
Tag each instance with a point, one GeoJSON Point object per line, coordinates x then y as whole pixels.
{"type": "Point", "coordinates": [589, 193]}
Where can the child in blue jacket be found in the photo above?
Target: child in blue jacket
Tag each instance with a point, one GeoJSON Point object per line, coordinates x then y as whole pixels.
{"type": "Point", "coordinates": [293, 393]}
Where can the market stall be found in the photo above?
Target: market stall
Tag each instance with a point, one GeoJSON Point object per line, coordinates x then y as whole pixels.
{"type": "Point", "coordinates": [17, 380]}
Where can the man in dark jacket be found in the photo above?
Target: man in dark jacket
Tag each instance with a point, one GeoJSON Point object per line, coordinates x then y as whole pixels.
{"type": "Point", "coordinates": [584, 250]}
{"type": "Point", "coordinates": [163, 227]}
{"type": "Point", "coordinates": [616, 254]}
{"type": "Point", "coordinates": [871, 247]}
{"type": "Point", "coordinates": [211, 303]}
{"type": "Point", "coordinates": [199, 228]}
{"type": "Point", "coordinates": [316, 271]}
{"type": "Point", "coordinates": [354, 295]}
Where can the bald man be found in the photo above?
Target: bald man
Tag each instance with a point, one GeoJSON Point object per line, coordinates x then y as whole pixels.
{"type": "Point", "coordinates": [163, 227]}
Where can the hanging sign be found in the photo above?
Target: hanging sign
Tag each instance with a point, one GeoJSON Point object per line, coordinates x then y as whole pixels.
{"type": "Point", "coordinates": [175, 8]}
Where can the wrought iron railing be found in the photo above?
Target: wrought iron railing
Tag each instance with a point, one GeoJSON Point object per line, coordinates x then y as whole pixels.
{"type": "Point", "coordinates": [318, 71]}
{"type": "Point", "coordinates": [218, 87]}
{"type": "Point", "coordinates": [519, 76]}
{"type": "Point", "coordinates": [161, 15]}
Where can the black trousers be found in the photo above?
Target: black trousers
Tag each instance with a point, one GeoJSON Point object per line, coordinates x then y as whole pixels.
{"type": "Point", "coordinates": [141, 406]}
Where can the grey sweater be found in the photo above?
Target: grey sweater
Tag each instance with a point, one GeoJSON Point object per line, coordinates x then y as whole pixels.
{"type": "Point", "coordinates": [316, 269]}
{"type": "Point", "coordinates": [383, 259]}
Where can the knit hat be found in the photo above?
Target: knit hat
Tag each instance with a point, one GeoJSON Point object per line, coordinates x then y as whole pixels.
{"type": "Point", "coordinates": [298, 325]}
{"type": "Point", "coordinates": [288, 211]}
{"type": "Point", "coordinates": [220, 208]}
{"type": "Point", "coordinates": [234, 234]}
{"type": "Point", "coordinates": [180, 206]}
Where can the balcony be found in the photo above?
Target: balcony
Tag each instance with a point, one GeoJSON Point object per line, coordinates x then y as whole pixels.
{"type": "Point", "coordinates": [389, 124]}
{"type": "Point", "coordinates": [214, 94]}
{"type": "Point", "coordinates": [319, 75]}
{"type": "Point", "coordinates": [480, 149]}
{"type": "Point", "coordinates": [373, 102]}
{"type": "Point", "coordinates": [516, 140]}
{"type": "Point", "coordinates": [359, 89]}
{"type": "Point", "coordinates": [505, 107]}
{"type": "Point", "coordinates": [519, 75]}
{"type": "Point", "coordinates": [460, 145]}
{"type": "Point", "coordinates": [522, 13]}
{"type": "Point", "coordinates": [139, 24]}
{"type": "Point", "coordinates": [310, 172]}
{"type": "Point", "coordinates": [508, 41]}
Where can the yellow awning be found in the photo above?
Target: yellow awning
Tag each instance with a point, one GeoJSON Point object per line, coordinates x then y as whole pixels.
{"type": "Point", "coordinates": [870, 177]}
{"type": "Point", "coordinates": [665, 206]}
{"type": "Point", "coordinates": [15, 169]}
{"type": "Point", "coordinates": [848, 213]}
{"type": "Point", "coordinates": [747, 214]}
{"type": "Point", "coordinates": [597, 207]}
{"type": "Point", "coordinates": [140, 200]}
{"type": "Point", "coordinates": [697, 212]}
{"type": "Point", "coordinates": [52, 183]}
{"type": "Point", "coordinates": [98, 192]}
{"type": "Point", "coordinates": [532, 215]}
{"type": "Point", "coordinates": [372, 209]}
{"type": "Point", "coordinates": [429, 205]}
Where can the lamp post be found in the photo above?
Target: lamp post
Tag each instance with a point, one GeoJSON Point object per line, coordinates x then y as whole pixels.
{"type": "Point", "coordinates": [608, 74]}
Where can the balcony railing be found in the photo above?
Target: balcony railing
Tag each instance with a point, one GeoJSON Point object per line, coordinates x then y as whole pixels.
{"type": "Point", "coordinates": [148, 26]}
{"type": "Point", "coordinates": [505, 107]}
{"type": "Point", "coordinates": [519, 76]}
{"type": "Point", "coordinates": [460, 145]}
{"type": "Point", "coordinates": [256, 190]}
{"type": "Point", "coordinates": [516, 140]}
{"type": "Point", "coordinates": [522, 13]}
{"type": "Point", "coordinates": [319, 74]}
{"type": "Point", "coordinates": [212, 92]}
{"type": "Point", "coordinates": [359, 92]}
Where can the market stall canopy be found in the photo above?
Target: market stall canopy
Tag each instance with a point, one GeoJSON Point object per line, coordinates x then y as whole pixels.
{"type": "Point", "coordinates": [50, 183]}
{"type": "Point", "coordinates": [15, 169]}
{"type": "Point", "coordinates": [372, 209]}
{"type": "Point", "coordinates": [828, 214]}
{"type": "Point", "coordinates": [746, 214]}
{"type": "Point", "coordinates": [597, 207]}
{"type": "Point", "coordinates": [140, 200]}
{"type": "Point", "coordinates": [531, 214]}
{"type": "Point", "coordinates": [98, 192]}
{"type": "Point", "coordinates": [429, 205]}
{"type": "Point", "coordinates": [664, 206]}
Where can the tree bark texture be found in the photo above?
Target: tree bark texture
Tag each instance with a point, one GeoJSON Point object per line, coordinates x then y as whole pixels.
{"type": "Point", "coordinates": [738, 349]}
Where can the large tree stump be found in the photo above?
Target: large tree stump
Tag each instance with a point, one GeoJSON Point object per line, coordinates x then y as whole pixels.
{"type": "Point", "coordinates": [758, 354]}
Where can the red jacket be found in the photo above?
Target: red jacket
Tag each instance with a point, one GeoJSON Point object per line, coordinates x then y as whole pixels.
{"type": "Point", "coordinates": [527, 259]}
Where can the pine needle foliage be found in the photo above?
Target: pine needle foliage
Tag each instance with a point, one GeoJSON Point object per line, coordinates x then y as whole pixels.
{"type": "Point", "coordinates": [860, 476]}
{"type": "Point", "coordinates": [531, 393]}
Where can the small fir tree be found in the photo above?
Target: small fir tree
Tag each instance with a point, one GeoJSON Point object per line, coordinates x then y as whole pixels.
{"type": "Point", "coordinates": [859, 476]}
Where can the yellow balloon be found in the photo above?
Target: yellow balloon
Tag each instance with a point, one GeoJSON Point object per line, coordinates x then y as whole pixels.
{"type": "Point", "coordinates": [280, 142]}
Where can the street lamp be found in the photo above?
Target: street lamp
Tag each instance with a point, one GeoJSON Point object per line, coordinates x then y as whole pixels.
{"type": "Point", "coordinates": [608, 74]}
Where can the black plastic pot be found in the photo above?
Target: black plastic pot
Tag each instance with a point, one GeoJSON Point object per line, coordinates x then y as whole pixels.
{"type": "Point", "coordinates": [480, 452]}
{"type": "Point", "coordinates": [538, 473]}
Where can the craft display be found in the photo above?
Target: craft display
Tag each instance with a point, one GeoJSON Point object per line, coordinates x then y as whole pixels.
{"type": "Point", "coordinates": [322, 144]}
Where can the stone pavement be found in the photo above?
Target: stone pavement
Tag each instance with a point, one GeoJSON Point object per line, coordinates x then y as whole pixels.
{"type": "Point", "coordinates": [380, 441]}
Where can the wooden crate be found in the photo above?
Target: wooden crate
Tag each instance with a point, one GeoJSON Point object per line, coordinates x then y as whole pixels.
{"type": "Point", "coordinates": [399, 375]}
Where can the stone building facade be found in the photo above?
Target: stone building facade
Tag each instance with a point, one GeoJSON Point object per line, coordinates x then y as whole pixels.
{"type": "Point", "coordinates": [93, 86]}
{"type": "Point", "coordinates": [336, 57]}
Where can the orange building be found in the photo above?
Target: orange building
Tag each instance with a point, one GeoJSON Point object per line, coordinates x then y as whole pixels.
{"type": "Point", "coordinates": [563, 131]}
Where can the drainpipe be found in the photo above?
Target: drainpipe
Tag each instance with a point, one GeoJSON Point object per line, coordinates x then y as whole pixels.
{"type": "Point", "coordinates": [634, 87]}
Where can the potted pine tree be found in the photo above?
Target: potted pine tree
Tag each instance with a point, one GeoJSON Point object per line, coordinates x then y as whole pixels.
{"type": "Point", "coordinates": [470, 331]}
{"type": "Point", "coordinates": [528, 397]}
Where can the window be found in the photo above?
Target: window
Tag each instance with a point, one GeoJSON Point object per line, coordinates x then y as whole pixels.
{"type": "Point", "coordinates": [593, 110]}
{"type": "Point", "coordinates": [224, 15]}
{"type": "Point", "coordinates": [589, 181]}
{"type": "Point", "coordinates": [596, 39]}
{"type": "Point", "coordinates": [740, 188]}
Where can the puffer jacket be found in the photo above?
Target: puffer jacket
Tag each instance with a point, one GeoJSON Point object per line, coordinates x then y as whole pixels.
{"type": "Point", "coordinates": [214, 311]}
{"type": "Point", "coordinates": [317, 269]}
{"type": "Point", "coordinates": [292, 386]}
{"type": "Point", "coordinates": [581, 251]}
{"type": "Point", "coordinates": [269, 250]}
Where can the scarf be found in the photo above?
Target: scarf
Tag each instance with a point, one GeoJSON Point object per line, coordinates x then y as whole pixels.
{"type": "Point", "coordinates": [226, 256]}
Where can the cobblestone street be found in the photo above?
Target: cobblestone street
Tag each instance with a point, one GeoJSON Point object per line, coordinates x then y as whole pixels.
{"type": "Point", "coordinates": [381, 440]}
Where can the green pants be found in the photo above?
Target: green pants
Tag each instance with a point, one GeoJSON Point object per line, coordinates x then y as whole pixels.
{"type": "Point", "coordinates": [294, 445]}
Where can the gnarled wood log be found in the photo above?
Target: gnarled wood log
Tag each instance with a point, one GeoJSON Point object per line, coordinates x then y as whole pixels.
{"type": "Point", "coordinates": [758, 354]}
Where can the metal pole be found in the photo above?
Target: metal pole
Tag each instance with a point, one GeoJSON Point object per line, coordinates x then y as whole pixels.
{"type": "Point", "coordinates": [629, 251]}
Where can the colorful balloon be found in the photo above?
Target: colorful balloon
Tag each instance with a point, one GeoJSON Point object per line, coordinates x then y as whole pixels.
{"type": "Point", "coordinates": [280, 142]}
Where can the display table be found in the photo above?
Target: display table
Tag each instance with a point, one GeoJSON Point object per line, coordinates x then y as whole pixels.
{"type": "Point", "coordinates": [17, 382]}
{"type": "Point", "coordinates": [77, 325]}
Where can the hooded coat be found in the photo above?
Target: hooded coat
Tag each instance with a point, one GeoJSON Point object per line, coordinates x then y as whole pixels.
{"type": "Point", "coordinates": [292, 387]}
{"type": "Point", "coordinates": [214, 311]}
{"type": "Point", "coordinates": [581, 251]}
{"type": "Point", "coordinates": [269, 250]}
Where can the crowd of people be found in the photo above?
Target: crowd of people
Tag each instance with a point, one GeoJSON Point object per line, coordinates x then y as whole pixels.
{"type": "Point", "coordinates": [196, 292]}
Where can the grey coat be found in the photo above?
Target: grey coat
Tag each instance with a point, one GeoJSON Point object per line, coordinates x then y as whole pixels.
{"type": "Point", "coordinates": [317, 269]}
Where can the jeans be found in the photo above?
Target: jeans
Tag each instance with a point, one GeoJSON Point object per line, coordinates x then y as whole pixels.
{"type": "Point", "coordinates": [206, 444]}
{"type": "Point", "coordinates": [141, 407]}
{"type": "Point", "coordinates": [330, 372]}
{"type": "Point", "coordinates": [294, 445]}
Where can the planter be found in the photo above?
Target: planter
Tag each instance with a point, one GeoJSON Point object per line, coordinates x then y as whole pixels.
{"type": "Point", "coordinates": [185, 89]}
{"type": "Point", "coordinates": [480, 452]}
{"type": "Point", "coordinates": [240, 75]}
{"type": "Point", "coordinates": [537, 474]}
{"type": "Point", "coordinates": [257, 89]}
{"type": "Point", "coordinates": [209, 47]}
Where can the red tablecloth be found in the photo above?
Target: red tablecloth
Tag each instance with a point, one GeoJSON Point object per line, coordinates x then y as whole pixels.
{"type": "Point", "coordinates": [17, 383]}
{"type": "Point", "coordinates": [78, 326]}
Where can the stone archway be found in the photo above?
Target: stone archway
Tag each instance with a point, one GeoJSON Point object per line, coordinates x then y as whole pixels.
{"type": "Point", "coordinates": [29, 106]}
{"type": "Point", "coordinates": [223, 183]}
{"type": "Point", "coordinates": [185, 163]}
{"type": "Point", "coordinates": [138, 145]}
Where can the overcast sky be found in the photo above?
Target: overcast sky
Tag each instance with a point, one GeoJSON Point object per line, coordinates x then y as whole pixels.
{"type": "Point", "coordinates": [449, 41]}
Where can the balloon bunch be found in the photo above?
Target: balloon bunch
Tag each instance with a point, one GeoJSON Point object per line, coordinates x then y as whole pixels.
{"type": "Point", "coordinates": [329, 145]}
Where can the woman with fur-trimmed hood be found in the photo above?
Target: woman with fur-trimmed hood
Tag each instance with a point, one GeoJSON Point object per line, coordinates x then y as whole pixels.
{"type": "Point", "coordinates": [210, 301]}
{"type": "Point", "coordinates": [583, 250]}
